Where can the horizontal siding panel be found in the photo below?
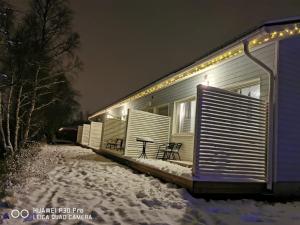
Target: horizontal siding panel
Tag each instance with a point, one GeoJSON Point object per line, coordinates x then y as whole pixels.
{"type": "Point", "coordinates": [144, 124]}
{"type": "Point", "coordinates": [85, 134]}
{"type": "Point", "coordinates": [95, 135]}
{"type": "Point", "coordinates": [221, 150]}
{"type": "Point", "coordinates": [79, 134]}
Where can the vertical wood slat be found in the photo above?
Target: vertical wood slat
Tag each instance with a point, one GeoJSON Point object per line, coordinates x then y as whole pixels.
{"type": "Point", "coordinates": [85, 134]}
{"type": "Point", "coordinates": [95, 135]}
{"type": "Point", "coordinates": [145, 124]}
{"type": "Point", "coordinates": [218, 155]}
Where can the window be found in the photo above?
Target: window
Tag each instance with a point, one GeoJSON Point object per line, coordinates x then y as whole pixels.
{"type": "Point", "coordinates": [251, 91]}
{"type": "Point", "coordinates": [185, 116]}
{"type": "Point", "coordinates": [163, 110]}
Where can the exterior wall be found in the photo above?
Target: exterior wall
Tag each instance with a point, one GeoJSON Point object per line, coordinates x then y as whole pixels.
{"type": "Point", "coordinates": [288, 128]}
{"type": "Point", "coordinates": [227, 75]}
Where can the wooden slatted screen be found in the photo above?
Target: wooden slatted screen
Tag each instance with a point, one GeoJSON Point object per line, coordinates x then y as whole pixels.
{"type": "Point", "coordinates": [85, 134]}
{"type": "Point", "coordinates": [95, 135]}
{"type": "Point", "coordinates": [79, 134]}
{"type": "Point", "coordinates": [230, 141]}
{"type": "Point", "coordinates": [145, 124]}
{"type": "Point", "coordinates": [113, 129]}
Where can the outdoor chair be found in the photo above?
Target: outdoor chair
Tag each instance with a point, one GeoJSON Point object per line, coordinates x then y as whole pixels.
{"type": "Point", "coordinates": [115, 144]}
{"type": "Point", "coordinates": [119, 144]}
{"type": "Point", "coordinates": [175, 151]}
{"type": "Point", "coordinates": [163, 150]}
{"type": "Point", "coordinates": [110, 143]}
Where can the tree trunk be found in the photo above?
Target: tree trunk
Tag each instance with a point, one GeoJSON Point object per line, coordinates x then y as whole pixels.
{"type": "Point", "coordinates": [1, 126]}
{"type": "Point", "coordinates": [32, 107]}
{"type": "Point", "coordinates": [29, 116]}
{"type": "Point", "coordinates": [17, 118]}
{"type": "Point", "coordinates": [8, 140]}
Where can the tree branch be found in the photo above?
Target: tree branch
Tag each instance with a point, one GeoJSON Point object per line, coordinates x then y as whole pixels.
{"type": "Point", "coordinates": [45, 105]}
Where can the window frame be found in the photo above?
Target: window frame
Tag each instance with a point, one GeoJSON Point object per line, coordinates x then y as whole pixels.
{"type": "Point", "coordinates": [175, 117]}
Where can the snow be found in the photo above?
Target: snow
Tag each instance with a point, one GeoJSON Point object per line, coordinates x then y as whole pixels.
{"type": "Point", "coordinates": [71, 176]}
{"type": "Point", "coordinates": [168, 167]}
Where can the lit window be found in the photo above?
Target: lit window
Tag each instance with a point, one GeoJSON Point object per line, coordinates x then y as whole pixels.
{"type": "Point", "coordinates": [185, 116]}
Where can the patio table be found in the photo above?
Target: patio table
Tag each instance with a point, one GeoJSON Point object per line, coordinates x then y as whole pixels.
{"type": "Point", "coordinates": [144, 140]}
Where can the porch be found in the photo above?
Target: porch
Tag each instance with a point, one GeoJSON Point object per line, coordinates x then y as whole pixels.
{"type": "Point", "coordinates": [229, 154]}
{"type": "Point", "coordinates": [182, 176]}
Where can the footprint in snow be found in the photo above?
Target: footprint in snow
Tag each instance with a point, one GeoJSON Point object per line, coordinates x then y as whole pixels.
{"type": "Point", "coordinates": [121, 212]}
{"type": "Point", "coordinates": [83, 173]}
{"type": "Point", "coordinates": [141, 194]}
{"type": "Point", "coordinates": [60, 200]}
{"type": "Point", "coordinates": [152, 203]}
{"type": "Point", "coordinates": [96, 217]}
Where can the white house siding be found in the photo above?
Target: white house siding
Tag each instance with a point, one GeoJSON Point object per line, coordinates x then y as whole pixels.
{"type": "Point", "coordinates": [288, 141]}
{"type": "Point", "coordinates": [227, 75]}
{"type": "Point", "coordinates": [95, 135]}
{"type": "Point", "coordinates": [85, 134]}
{"type": "Point", "coordinates": [79, 134]}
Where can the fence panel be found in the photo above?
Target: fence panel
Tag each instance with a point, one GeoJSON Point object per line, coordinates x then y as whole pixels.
{"type": "Point", "coordinates": [95, 135]}
{"type": "Point", "coordinates": [230, 139]}
{"type": "Point", "coordinates": [145, 124]}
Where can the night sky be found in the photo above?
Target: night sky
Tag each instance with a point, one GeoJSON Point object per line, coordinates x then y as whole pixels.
{"type": "Point", "coordinates": [128, 44]}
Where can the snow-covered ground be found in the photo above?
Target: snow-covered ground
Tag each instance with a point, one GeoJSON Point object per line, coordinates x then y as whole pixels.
{"type": "Point", "coordinates": [168, 167]}
{"type": "Point", "coordinates": [74, 177]}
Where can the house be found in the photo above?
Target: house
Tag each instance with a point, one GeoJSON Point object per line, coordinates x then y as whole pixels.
{"type": "Point", "coordinates": [235, 110]}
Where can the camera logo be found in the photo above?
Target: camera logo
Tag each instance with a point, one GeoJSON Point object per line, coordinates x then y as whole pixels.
{"type": "Point", "coordinates": [15, 213]}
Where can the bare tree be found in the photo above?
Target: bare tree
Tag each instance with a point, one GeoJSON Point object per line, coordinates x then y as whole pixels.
{"type": "Point", "coordinates": [39, 56]}
{"type": "Point", "coordinates": [52, 58]}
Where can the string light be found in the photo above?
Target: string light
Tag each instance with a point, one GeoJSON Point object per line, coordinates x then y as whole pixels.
{"type": "Point", "coordinates": [238, 50]}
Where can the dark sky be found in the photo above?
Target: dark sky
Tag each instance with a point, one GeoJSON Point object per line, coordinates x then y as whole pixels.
{"type": "Point", "coordinates": [128, 44]}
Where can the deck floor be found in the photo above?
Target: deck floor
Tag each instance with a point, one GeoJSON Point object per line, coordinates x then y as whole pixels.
{"type": "Point", "coordinates": [188, 164]}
